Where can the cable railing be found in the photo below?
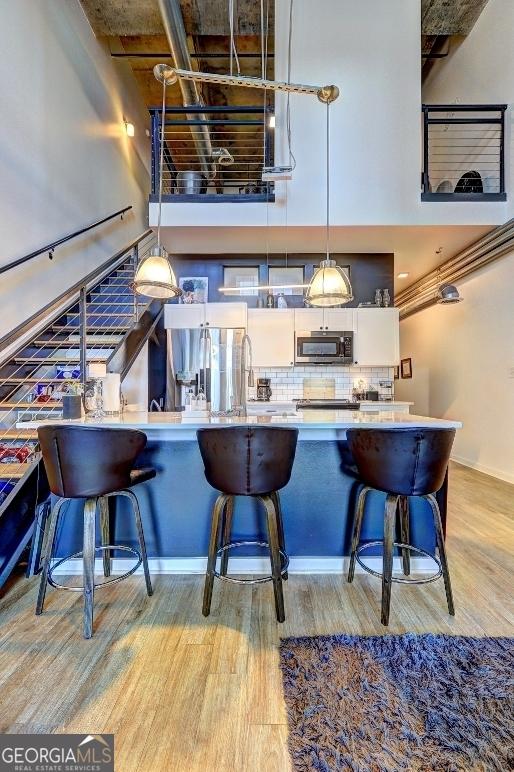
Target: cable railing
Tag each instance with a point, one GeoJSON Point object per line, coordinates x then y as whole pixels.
{"type": "Point", "coordinates": [86, 324]}
{"type": "Point", "coordinates": [463, 153]}
{"type": "Point", "coordinates": [239, 145]}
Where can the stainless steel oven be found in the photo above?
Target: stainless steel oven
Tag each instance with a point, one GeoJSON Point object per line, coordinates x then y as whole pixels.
{"type": "Point", "coordinates": [324, 348]}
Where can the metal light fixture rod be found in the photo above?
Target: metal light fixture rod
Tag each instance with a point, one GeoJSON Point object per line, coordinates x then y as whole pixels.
{"type": "Point", "coordinates": [325, 94]}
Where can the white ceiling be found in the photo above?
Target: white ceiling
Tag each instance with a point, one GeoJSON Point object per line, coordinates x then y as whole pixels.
{"type": "Point", "coordinates": [414, 247]}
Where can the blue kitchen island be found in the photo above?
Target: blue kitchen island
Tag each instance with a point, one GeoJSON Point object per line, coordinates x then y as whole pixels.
{"type": "Point", "coordinates": [318, 504]}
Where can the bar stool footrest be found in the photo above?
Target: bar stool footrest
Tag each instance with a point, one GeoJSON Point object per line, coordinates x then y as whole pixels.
{"type": "Point", "coordinates": [399, 579]}
{"type": "Point", "coordinates": [261, 580]}
{"type": "Point", "coordinates": [112, 580]}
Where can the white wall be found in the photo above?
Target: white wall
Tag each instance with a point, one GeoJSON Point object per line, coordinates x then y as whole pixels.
{"type": "Point", "coordinates": [481, 71]}
{"type": "Point", "coordinates": [371, 50]}
{"type": "Point", "coordinates": [65, 160]}
{"type": "Point", "coordinates": [463, 367]}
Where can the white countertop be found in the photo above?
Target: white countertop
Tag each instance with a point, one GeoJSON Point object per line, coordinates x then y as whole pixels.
{"type": "Point", "coordinates": [313, 425]}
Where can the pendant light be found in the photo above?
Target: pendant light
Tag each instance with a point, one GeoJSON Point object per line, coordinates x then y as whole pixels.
{"type": "Point", "coordinates": [329, 286]}
{"type": "Point", "coordinates": [154, 276]}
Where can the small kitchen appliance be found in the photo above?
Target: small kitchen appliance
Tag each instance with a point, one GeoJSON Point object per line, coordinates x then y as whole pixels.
{"type": "Point", "coordinates": [263, 389]}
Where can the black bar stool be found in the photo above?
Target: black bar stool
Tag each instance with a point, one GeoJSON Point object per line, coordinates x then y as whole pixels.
{"type": "Point", "coordinates": [93, 464]}
{"type": "Point", "coordinates": [247, 461]}
{"type": "Point", "coordinates": [401, 463]}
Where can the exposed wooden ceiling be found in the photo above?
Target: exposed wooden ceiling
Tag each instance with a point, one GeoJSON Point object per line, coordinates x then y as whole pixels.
{"type": "Point", "coordinates": [135, 27]}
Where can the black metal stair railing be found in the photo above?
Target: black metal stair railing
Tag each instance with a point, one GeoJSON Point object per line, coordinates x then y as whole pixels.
{"type": "Point", "coordinates": [463, 153]}
{"type": "Point", "coordinates": [51, 363]}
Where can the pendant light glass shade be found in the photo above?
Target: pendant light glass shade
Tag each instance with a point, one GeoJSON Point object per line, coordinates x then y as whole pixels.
{"type": "Point", "coordinates": [330, 286]}
{"type": "Point", "coordinates": [154, 276]}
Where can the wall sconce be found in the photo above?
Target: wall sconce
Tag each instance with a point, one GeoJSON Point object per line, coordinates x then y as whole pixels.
{"type": "Point", "coordinates": [129, 128]}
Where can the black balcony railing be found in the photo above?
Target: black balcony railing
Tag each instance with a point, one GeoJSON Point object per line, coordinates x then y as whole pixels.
{"type": "Point", "coordinates": [234, 143]}
{"type": "Point", "coordinates": [463, 153]}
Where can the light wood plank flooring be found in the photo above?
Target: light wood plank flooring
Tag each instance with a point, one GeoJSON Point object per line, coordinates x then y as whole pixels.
{"type": "Point", "coordinates": [182, 692]}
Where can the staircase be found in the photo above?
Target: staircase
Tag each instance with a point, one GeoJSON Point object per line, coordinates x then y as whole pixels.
{"type": "Point", "coordinates": [39, 372]}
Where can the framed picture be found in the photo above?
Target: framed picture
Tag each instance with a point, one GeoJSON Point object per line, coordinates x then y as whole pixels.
{"type": "Point", "coordinates": [289, 275]}
{"type": "Point", "coordinates": [242, 276]}
{"type": "Point", "coordinates": [406, 368]}
{"type": "Point", "coordinates": [396, 372]}
{"type": "Point", "coordinates": [195, 289]}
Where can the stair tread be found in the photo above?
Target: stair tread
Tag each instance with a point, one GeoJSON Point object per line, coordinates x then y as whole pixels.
{"type": "Point", "coordinates": [37, 380]}
{"type": "Point", "coordinates": [13, 471]}
{"type": "Point", "coordinates": [53, 405]}
{"type": "Point", "coordinates": [55, 360]}
{"type": "Point", "coordinates": [108, 340]}
{"type": "Point", "coordinates": [75, 328]}
{"type": "Point", "coordinates": [17, 434]}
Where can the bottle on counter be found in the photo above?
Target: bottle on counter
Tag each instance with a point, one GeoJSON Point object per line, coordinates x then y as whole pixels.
{"type": "Point", "coordinates": [281, 301]}
{"type": "Point", "coordinates": [270, 300]}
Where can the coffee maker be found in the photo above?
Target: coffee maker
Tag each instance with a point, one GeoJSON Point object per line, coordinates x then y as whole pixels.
{"type": "Point", "coordinates": [263, 389]}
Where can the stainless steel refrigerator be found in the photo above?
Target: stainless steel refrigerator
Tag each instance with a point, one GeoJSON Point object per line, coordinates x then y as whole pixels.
{"type": "Point", "coordinates": [212, 360]}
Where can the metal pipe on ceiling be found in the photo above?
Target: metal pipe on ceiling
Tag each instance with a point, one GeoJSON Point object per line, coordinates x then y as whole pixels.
{"type": "Point", "coordinates": [486, 250]}
{"type": "Point", "coordinates": [173, 23]}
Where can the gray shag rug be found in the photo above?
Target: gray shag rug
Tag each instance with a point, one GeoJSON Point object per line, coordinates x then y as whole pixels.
{"type": "Point", "coordinates": [400, 702]}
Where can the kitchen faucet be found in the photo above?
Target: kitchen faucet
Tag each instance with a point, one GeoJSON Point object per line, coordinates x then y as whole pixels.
{"type": "Point", "coordinates": [247, 343]}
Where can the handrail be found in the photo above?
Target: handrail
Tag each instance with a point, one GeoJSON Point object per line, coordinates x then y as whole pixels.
{"type": "Point", "coordinates": [58, 302]}
{"type": "Point", "coordinates": [53, 244]}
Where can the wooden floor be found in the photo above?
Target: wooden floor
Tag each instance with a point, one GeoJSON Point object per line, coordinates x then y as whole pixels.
{"type": "Point", "coordinates": [181, 692]}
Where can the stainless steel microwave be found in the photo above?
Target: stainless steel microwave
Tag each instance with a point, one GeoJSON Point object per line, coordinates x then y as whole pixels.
{"type": "Point", "coordinates": [324, 348]}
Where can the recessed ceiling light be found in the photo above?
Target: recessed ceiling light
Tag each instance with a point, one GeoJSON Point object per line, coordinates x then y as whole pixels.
{"type": "Point", "coordinates": [402, 275]}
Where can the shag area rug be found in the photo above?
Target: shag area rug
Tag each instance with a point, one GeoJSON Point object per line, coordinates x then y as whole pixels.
{"type": "Point", "coordinates": [400, 702]}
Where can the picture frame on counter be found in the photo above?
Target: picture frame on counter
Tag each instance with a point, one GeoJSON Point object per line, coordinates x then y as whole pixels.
{"type": "Point", "coordinates": [406, 367]}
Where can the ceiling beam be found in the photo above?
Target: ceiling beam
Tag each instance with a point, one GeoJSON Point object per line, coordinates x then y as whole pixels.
{"type": "Point", "coordinates": [450, 17]}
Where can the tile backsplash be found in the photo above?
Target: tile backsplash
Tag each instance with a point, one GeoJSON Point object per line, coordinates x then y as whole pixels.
{"type": "Point", "coordinates": [287, 383]}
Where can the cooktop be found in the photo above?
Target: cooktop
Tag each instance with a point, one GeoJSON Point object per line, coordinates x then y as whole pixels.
{"type": "Point", "coordinates": [326, 404]}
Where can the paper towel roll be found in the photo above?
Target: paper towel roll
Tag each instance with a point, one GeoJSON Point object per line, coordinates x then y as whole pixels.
{"type": "Point", "coordinates": [111, 393]}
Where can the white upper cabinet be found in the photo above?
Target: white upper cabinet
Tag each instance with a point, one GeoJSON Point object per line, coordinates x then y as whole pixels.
{"type": "Point", "coordinates": [308, 319]}
{"type": "Point", "coordinates": [225, 314]}
{"type": "Point", "coordinates": [312, 319]}
{"type": "Point", "coordinates": [190, 316]}
{"type": "Point", "coordinates": [272, 334]}
{"type": "Point", "coordinates": [377, 337]}
{"type": "Point", "coordinates": [339, 319]}
{"type": "Point", "coordinates": [184, 316]}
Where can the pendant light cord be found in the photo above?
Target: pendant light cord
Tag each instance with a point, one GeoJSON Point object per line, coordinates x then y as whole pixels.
{"type": "Point", "coordinates": [328, 183]}
{"type": "Point", "coordinates": [161, 160]}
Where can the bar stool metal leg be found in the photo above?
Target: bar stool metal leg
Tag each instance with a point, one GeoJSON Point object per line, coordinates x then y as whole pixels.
{"type": "Point", "coordinates": [227, 530]}
{"type": "Point", "coordinates": [442, 551]}
{"type": "Point", "coordinates": [88, 563]}
{"type": "Point", "coordinates": [274, 548]}
{"type": "Point", "coordinates": [105, 531]}
{"type": "Point", "coordinates": [211, 559]}
{"type": "Point", "coordinates": [357, 525]}
{"type": "Point", "coordinates": [280, 524]}
{"type": "Point", "coordinates": [403, 512]}
{"type": "Point", "coordinates": [48, 548]}
{"type": "Point", "coordinates": [387, 570]}
{"type": "Point", "coordinates": [141, 537]}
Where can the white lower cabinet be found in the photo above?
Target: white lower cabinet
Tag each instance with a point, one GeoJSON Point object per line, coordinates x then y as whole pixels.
{"type": "Point", "coordinates": [377, 337]}
{"type": "Point", "coordinates": [272, 334]}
